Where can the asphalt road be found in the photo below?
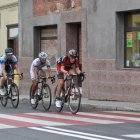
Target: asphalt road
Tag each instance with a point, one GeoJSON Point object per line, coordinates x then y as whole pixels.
{"type": "Point", "coordinates": [24, 123]}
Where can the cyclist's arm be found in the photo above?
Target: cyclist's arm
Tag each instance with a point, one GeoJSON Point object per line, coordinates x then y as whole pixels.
{"type": "Point", "coordinates": [63, 70]}
{"type": "Point", "coordinates": [78, 71]}
{"type": "Point", "coordinates": [17, 68]}
{"type": "Point", "coordinates": [35, 72]}
{"type": "Point", "coordinates": [3, 70]}
{"type": "Point", "coordinates": [49, 72]}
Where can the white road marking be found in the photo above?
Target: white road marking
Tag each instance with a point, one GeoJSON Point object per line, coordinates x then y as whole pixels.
{"type": "Point", "coordinates": [64, 133]}
{"type": "Point", "coordinates": [124, 112]}
{"type": "Point", "coordinates": [136, 136]}
{"type": "Point", "coordinates": [90, 120]}
{"type": "Point", "coordinates": [36, 121]}
{"type": "Point", "coordinates": [82, 133]}
{"type": "Point", "coordinates": [112, 116]}
{"type": "Point", "coordinates": [4, 126]}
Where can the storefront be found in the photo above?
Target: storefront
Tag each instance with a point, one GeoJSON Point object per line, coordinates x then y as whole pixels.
{"type": "Point", "coordinates": [106, 33]}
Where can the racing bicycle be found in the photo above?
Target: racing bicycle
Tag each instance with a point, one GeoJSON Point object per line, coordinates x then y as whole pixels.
{"type": "Point", "coordinates": [70, 94]}
{"type": "Point", "coordinates": [43, 93]}
{"type": "Point", "coordinates": [11, 91]}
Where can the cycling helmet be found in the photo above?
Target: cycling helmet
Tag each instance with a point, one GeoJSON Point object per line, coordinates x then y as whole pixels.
{"type": "Point", "coordinates": [73, 53]}
{"type": "Point", "coordinates": [8, 51]}
{"type": "Point", "coordinates": [42, 55]}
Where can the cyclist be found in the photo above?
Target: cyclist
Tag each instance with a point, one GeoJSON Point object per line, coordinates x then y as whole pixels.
{"type": "Point", "coordinates": [40, 66]}
{"type": "Point", "coordinates": [7, 62]}
{"type": "Point", "coordinates": [68, 64]}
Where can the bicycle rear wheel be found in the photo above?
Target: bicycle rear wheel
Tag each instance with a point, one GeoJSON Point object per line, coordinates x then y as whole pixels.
{"type": "Point", "coordinates": [74, 100]}
{"type": "Point", "coordinates": [34, 106]}
{"type": "Point", "coordinates": [4, 98]}
{"type": "Point", "coordinates": [14, 95]}
{"type": "Point", "coordinates": [58, 109]}
{"type": "Point", "coordinates": [46, 96]}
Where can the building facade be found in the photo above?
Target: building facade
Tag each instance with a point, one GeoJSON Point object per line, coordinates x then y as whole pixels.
{"type": "Point", "coordinates": [9, 25]}
{"type": "Point", "coordinates": [106, 34]}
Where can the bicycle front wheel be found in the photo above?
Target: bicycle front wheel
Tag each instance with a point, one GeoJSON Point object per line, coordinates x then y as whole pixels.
{"type": "Point", "coordinates": [74, 99]}
{"type": "Point", "coordinates": [14, 95]}
{"type": "Point", "coordinates": [4, 98]}
{"type": "Point", "coordinates": [46, 96]}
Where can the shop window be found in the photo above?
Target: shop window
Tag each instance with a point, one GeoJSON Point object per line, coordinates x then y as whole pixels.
{"type": "Point", "coordinates": [132, 40]}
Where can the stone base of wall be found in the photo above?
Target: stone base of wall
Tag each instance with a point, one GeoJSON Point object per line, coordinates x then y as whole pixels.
{"type": "Point", "coordinates": [108, 83]}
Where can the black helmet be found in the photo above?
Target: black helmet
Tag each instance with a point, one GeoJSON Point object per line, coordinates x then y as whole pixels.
{"type": "Point", "coordinates": [8, 51]}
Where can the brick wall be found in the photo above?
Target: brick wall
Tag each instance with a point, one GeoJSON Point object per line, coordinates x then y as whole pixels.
{"type": "Point", "coordinates": [44, 7]}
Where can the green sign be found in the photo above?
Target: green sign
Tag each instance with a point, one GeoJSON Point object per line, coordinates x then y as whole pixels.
{"type": "Point", "coordinates": [138, 35]}
{"type": "Point", "coordinates": [129, 43]}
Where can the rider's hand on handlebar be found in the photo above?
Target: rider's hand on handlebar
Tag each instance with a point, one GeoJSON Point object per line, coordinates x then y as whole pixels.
{"type": "Point", "coordinates": [67, 73]}
{"type": "Point", "coordinates": [20, 76]}
{"type": "Point", "coordinates": [53, 80]}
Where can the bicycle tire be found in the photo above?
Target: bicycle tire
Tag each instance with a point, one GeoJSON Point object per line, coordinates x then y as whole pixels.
{"type": "Point", "coordinates": [4, 98]}
{"type": "Point", "coordinates": [34, 106]}
{"type": "Point", "coordinates": [59, 109]}
{"type": "Point", "coordinates": [74, 99]}
{"type": "Point", "coordinates": [46, 96]}
{"type": "Point", "coordinates": [14, 95]}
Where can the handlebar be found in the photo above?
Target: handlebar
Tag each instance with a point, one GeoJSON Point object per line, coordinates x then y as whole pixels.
{"type": "Point", "coordinates": [70, 76]}
{"type": "Point", "coordinates": [13, 74]}
{"type": "Point", "coordinates": [45, 78]}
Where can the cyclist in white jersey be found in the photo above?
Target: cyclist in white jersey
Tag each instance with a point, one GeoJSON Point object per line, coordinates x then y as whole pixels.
{"type": "Point", "coordinates": [40, 66]}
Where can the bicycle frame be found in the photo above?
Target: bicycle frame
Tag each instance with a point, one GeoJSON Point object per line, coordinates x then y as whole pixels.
{"type": "Point", "coordinates": [9, 85]}
{"type": "Point", "coordinates": [46, 100]}
{"type": "Point", "coordinates": [67, 93]}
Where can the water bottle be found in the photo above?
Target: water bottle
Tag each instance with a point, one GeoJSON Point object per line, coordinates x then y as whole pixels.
{"type": "Point", "coordinates": [8, 87]}
{"type": "Point", "coordinates": [38, 92]}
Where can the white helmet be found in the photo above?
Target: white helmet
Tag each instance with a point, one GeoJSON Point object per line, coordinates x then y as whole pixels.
{"type": "Point", "coordinates": [42, 55]}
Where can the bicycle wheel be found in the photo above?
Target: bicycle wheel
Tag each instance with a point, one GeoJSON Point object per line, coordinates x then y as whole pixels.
{"type": "Point", "coordinates": [74, 99]}
{"type": "Point", "coordinates": [14, 95]}
{"type": "Point", "coordinates": [34, 106]}
{"type": "Point", "coordinates": [46, 96]}
{"type": "Point", "coordinates": [62, 97]}
{"type": "Point", "coordinates": [4, 98]}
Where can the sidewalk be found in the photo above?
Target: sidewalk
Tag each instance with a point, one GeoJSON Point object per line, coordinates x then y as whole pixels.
{"type": "Point", "coordinates": [103, 105]}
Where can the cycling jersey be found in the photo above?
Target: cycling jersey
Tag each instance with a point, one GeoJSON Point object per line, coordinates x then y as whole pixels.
{"type": "Point", "coordinates": [65, 61]}
{"type": "Point", "coordinates": [7, 61]}
{"type": "Point", "coordinates": [36, 63]}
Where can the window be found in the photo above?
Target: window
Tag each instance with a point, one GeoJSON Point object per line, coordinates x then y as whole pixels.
{"type": "Point", "coordinates": [13, 32]}
{"type": "Point", "coordinates": [132, 40]}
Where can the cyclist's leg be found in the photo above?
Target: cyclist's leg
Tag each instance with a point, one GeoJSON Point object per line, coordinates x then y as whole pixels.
{"type": "Point", "coordinates": [34, 86]}
{"type": "Point", "coordinates": [60, 77]}
{"type": "Point", "coordinates": [3, 80]}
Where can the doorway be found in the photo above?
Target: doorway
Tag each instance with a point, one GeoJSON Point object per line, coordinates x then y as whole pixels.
{"type": "Point", "coordinates": [73, 40]}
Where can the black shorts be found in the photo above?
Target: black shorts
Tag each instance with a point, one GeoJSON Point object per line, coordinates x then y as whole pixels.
{"type": "Point", "coordinates": [60, 75]}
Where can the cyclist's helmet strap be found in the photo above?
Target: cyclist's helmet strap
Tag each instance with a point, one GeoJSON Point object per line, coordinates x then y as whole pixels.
{"type": "Point", "coordinates": [8, 51]}
{"type": "Point", "coordinates": [42, 55]}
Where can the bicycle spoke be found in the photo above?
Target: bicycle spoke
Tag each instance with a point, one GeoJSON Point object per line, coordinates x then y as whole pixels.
{"type": "Point", "coordinates": [74, 99]}
{"type": "Point", "coordinates": [4, 98]}
{"type": "Point", "coordinates": [46, 97]}
{"type": "Point", "coordinates": [14, 95]}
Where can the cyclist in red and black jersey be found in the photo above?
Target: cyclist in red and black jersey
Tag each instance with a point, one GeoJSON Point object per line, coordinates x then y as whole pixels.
{"type": "Point", "coordinates": [68, 64]}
